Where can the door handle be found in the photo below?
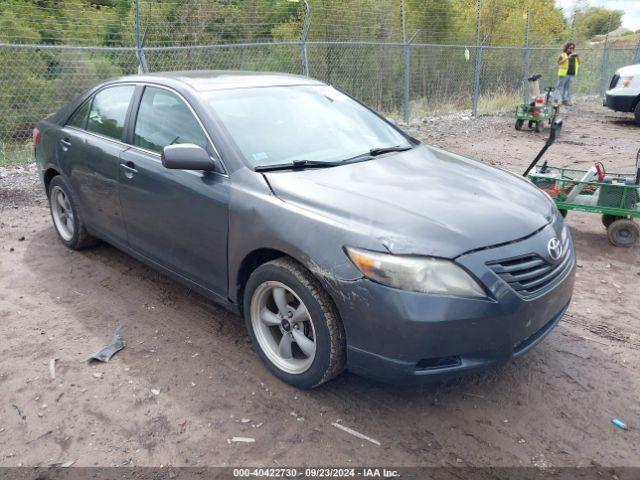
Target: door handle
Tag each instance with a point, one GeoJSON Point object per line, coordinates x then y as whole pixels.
{"type": "Point", "coordinates": [66, 144]}
{"type": "Point", "coordinates": [129, 169]}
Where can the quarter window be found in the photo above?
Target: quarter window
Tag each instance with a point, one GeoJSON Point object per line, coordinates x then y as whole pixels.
{"type": "Point", "coordinates": [79, 117]}
{"type": "Point", "coordinates": [109, 111]}
{"type": "Point", "coordinates": [164, 119]}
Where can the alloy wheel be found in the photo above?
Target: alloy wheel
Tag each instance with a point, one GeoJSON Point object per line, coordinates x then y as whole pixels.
{"type": "Point", "coordinates": [283, 327]}
{"type": "Point", "coordinates": [62, 213]}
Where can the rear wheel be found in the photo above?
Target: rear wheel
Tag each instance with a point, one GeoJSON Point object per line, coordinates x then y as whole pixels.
{"type": "Point", "coordinates": [636, 113]}
{"type": "Point", "coordinates": [539, 127]}
{"type": "Point", "coordinates": [66, 217]}
{"type": "Point", "coordinates": [519, 124]}
{"type": "Point", "coordinates": [623, 233]}
{"type": "Point", "coordinates": [293, 324]}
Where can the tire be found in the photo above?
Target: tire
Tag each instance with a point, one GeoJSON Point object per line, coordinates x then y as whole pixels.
{"type": "Point", "coordinates": [563, 212]}
{"type": "Point", "coordinates": [609, 219]}
{"type": "Point", "coordinates": [539, 127]}
{"type": "Point", "coordinates": [623, 233]}
{"type": "Point", "coordinates": [636, 113]}
{"type": "Point", "coordinates": [66, 216]}
{"type": "Point", "coordinates": [519, 124]}
{"type": "Point", "coordinates": [322, 326]}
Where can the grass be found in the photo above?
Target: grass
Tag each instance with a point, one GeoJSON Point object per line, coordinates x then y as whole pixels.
{"type": "Point", "coordinates": [15, 153]}
{"type": "Point", "coordinates": [500, 102]}
{"type": "Point", "coordinates": [493, 103]}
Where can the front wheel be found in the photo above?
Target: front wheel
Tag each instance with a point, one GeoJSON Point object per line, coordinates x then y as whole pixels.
{"type": "Point", "coordinates": [519, 124]}
{"type": "Point", "coordinates": [623, 232]}
{"type": "Point", "coordinates": [293, 324]}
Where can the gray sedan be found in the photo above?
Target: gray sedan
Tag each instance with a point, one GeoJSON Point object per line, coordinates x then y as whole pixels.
{"type": "Point", "coordinates": [343, 242]}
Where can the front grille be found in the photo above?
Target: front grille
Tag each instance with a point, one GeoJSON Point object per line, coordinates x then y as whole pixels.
{"type": "Point", "coordinates": [614, 81]}
{"type": "Point", "coordinates": [531, 275]}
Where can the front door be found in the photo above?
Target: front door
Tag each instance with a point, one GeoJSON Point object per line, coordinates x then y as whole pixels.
{"type": "Point", "coordinates": [177, 218]}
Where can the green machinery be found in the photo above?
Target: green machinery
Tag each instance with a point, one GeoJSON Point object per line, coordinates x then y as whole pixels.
{"type": "Point", "coordinates": [539, 110]}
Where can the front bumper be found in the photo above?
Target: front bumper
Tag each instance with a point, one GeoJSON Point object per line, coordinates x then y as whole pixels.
{"type": "Point", "coordinates": [405, 337]}
{"type": "Point", "coordinates": [619, 103]}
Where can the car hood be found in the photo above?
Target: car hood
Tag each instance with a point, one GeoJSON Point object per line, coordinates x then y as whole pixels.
{"type": "Point", "coordinates": [629, 70]}
{"type": "Point", "coordinates": [424, 201]}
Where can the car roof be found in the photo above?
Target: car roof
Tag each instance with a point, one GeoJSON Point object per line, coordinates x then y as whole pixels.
{"type": "Point", "coordinates": [205, 80]}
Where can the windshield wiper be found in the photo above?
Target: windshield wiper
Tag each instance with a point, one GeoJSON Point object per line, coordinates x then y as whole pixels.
{"type": "Point", "coordinates": [379, 151]}
{"type": "Point", "coordinates": [296, 164]}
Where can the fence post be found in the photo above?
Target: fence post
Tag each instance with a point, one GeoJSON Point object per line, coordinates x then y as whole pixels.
{"type": "Point", "coordinates": [143, 67]}
{"type": "Point", "coordinates": [527, 58]}
{"type": "Point", "coordinates": [478, 67]}
{"type": "Point", "coordinates": [405, 67]}
{"type": "Point", "coordinates": [605, 61]}
{"type": "Point", "coordinates": [636, 57]}
{"type": "Point", "coordinates": [305, 33]}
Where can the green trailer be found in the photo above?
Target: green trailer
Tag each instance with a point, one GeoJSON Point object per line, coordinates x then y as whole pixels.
{"type": "Point", "coordinates": [614, 196]}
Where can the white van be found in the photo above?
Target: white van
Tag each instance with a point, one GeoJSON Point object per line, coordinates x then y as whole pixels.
{"type": "Point", "coordinates": [624, 91]}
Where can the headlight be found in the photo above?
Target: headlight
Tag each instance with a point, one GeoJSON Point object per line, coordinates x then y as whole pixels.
{"type": "Point", "coordinates": [415, 274]}
{"type": "Point", "coordinates": [626, 81]}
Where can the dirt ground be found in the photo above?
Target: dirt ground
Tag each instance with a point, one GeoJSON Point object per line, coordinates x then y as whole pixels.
{"type": "Point", "coordinates": [188, 381]}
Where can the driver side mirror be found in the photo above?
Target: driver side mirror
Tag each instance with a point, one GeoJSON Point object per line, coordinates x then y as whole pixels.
{"type": "Point", "coordinates": [188, 156]}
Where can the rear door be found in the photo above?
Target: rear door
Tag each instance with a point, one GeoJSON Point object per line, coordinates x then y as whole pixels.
{"type": "Point", "coordinates": [89, 151]}
{"type": "Point", "coordinates": [177, 218]}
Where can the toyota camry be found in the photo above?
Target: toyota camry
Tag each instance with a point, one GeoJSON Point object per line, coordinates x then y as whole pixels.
{"type": "Point", "coordinates": [343, 242]}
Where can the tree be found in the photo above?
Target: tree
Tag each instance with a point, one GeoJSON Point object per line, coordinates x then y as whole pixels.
{"type": "Point", "coordinates": [595, 21]}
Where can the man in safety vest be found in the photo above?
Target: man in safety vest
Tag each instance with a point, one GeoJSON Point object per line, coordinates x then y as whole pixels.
{"type": "Point", "coordinates": [568, 64]}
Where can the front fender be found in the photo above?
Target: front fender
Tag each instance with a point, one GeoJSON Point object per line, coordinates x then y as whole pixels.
{"type": "Point", "coordinates": [260, 220]}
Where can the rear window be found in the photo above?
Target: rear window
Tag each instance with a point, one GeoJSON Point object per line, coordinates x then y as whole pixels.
{"type": "Point", "coordinates": [109, 111]}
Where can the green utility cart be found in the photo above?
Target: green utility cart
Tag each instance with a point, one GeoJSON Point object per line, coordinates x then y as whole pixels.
{"type": "Point", "coordinates": [614, 196]}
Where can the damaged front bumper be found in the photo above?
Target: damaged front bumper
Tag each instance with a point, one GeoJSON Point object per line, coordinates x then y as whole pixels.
{"type": "Point", "coordinates": [405, 337]}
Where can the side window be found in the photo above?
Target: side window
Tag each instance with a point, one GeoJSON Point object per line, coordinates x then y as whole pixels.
{"type": "Point", "coordinates": [79, 117]}
{"type": "Point", "coordinates": [164, 119]}
{"type": "Point", "coordinates": [109, 110]}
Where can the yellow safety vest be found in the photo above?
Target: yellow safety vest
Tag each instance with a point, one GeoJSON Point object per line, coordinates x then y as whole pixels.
{"type": "Point", "coordinates": [563, 66]}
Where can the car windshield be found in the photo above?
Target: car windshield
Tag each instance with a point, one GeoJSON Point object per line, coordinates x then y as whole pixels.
{"type": "Point", "coordinates": [280, 125]}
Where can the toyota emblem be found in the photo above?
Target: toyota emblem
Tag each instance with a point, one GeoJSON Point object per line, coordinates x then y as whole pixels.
{"type": "Point", "coordinates": [554, 247]}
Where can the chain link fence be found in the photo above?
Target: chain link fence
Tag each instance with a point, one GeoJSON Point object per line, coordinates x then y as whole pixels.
{"type": "Point", "coordinates": [399, 60]}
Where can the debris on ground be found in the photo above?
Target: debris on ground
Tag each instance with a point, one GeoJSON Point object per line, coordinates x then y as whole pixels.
{"type": "Point", "coordinates": [20, 414]}
{"type": "Point", "coordinates": [62, 464]}
{"type": "Point", "coordinates": [241, 440]}
{"type": "Point", "coordinates": [98, 375]}
{"type": "Point", "coordinates": [619, 423]}
{"type": "Point", "coordinates": [350, 431]}
{"type": "Point", "coordinates": [52, 368]}
{"type": "Point", "coordinates": [105, 354]}
{"type": "Point", "coordinates": [48, 432]}
{"type": "Point", "coordinates": [155, 391]}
